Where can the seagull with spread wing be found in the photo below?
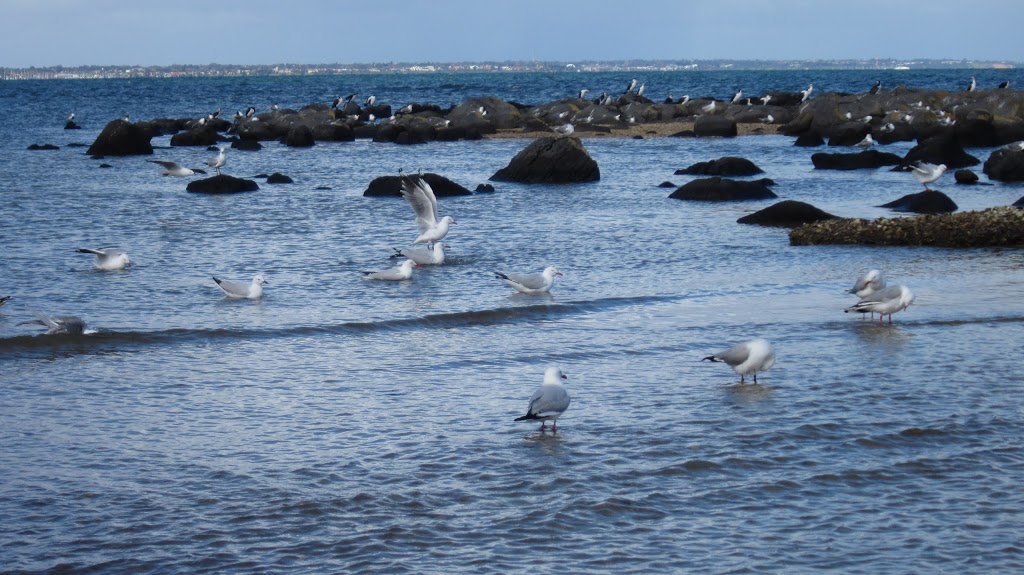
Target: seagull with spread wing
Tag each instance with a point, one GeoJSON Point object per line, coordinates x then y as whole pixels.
{"type": "Point", "coordinates": [421, 197]}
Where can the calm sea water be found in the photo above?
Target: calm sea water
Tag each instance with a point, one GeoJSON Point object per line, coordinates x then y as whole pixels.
{"type": "Point", "coordinates": [345, 426]}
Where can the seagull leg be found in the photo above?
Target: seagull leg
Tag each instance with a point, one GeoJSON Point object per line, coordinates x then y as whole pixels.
{"type": "Point", "coordinates": [554, 426]}
{"type": "Point", "coordinates": [543, 425]}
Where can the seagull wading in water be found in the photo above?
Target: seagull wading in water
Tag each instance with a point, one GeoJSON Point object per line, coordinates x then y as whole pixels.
{"type": "Point", "coordinates": [885, 301]}
{"type": "Point", "coordinates": [531, 284]}
{"type": "Point", "coordinates": [68, 324]}
{"type": "Point", "coordinates": [927, 173]}
{"type": "Point", "coordinates": [421, 197]}
{"type": "Point", "coordinates": [108, 259]}
{"type": "Point", "coordinates": [236, 290]}
{"type": "Point", "coordinates": [550, 400]}
{"type": "Point", "coordinates": [747, 358]}
{"type": "Point", "coordinates": [868, 283]}
{"type": "Point", "coordinates": [395, 274]}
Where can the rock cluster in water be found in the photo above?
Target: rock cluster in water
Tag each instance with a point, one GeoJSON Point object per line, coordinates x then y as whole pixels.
{"type": "Point", "coordinates": [1003, 226]}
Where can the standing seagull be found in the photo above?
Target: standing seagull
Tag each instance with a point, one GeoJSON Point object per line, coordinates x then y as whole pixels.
{"type": "Point", "coordinates": [531, 284]}
{"type": "Point", "coordinates": [973, 85]}
{"type": "Point", "coordinates": [370, 100]}
{"type": "Point", "coordinates": [71, 117]}
{"type": "Point", "coordinates": [402, 272]}
{"type": "Point", "coordinates": [236, 290]}
{"type": "Point", "coordinates": [108, 259]}
{"type": "Point", "coordinates": [886, 301]}
{"type": "Point", "coordinates": [736, 97]}
{"type": "Point", "coordinates": [565, 129]}
{"type": "Point", "coordinates": [217, 161]}
{"type": "Point", "coordinates": [550, 400]}
{"type": "Point", "coordinates": [709, 108]}
{"type": "Point", "coordinates": [927, 173]}
{"type": "Point", "coordinates": [58, 324]}
{"type": "Point", "coordinates": [583, 93]}
{"type": "Point", "coordinates": [173, 169]}
{"type": "Point", "coordinates": [866, 142]}
{"type": "Point", "coordinates": [868, 283]}
{"type": "Point", "coordinates": [421, 197]}
{"type": "Point", "coordinates": [423, 256]}
{"type": "Point", "coordinates": [748, 357]}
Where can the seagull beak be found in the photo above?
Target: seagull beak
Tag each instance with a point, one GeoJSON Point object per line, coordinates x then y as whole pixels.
{"type": "Point", "coordinates": [558, 273]}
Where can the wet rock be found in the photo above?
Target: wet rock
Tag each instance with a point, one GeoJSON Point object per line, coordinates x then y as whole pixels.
{"type": "Point", "coordinates": [201, 136]}
{"type": "Point", "coordinates": [106, 166]}
{"type": "Point", "coordinates": [1019, 203]}
{"type": "Point", "coordinates": [992, 227]}
{"type": "Point", "coordinates": [861, 161]}
{"type": "Point", "coordinates": [725, 190]}
{"type": "Point", "coordinates": [965, 177]}
{"type": "Point", "coordinates": [729, 166]}
{"type": "Point", "coordinates": [848, 133]}
{"type": "Point", "coordinates": [714, 127]}
{"type": "Point", "coordinates": [942, 149]}
{"type": "Point", "coordinates": [121, 138]}
{"type": "Point", "coordinates": [71, 125]}
{"type": "Point", "coordinates": [667, 184]}
{"type": "Point", "coordinates": [333, 132]}
{"type": "Point", "coordinates": [247, 144]}
{"type": "Point", "coordinates": [787, 214]}
{"type": "Point", "coordinates": [926, 202]}
{"type": "Point", "coordinates": [222, 185]}
{"type": "Point", "coordinates": [484, 188]}
{"type": "Point", "coordinates": [1005, 166]}
{"type": "Point", "coordinates": [392, 186]}
{"type": "Point", "coordinates": [300, 136]}
{"type": "Point", "coordinates": [43, 147]}
{"type": "Point", "coordinates": [551, 160]}
{"type": "Point", "coordinates": [278, 178]}
{"type": "Point", "coordinates": [490, 111]}
{"type": "Point", "coordinates": [809, 140]}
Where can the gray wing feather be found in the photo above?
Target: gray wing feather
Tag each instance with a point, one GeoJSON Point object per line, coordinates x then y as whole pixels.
{"type": "Point", "coordinates": [735, 355]}
{"type": "Point", "coordinates": [233, 287]}
{"type": "Point", "coordinates": [530, 281]}
{"type": "Point", "coordinates": [419, 195]}
{"type": "Point", "coordinates": [549, 400]}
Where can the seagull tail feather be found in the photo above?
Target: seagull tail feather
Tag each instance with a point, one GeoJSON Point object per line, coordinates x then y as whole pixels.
{"type": "Point", "coordinates": [525, 417]}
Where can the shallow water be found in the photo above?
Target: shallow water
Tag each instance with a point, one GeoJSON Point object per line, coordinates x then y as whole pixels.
{"type": "Point", "coordinates": [341, 425]}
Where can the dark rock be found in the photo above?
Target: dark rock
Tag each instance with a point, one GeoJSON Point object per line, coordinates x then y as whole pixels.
{"type": "Point", "coordinates": [787, 214]}
{"type": "Point", "coordinates": [278, 178]}
{"type": "Point", "coordinates": [992, 227]}
{"type": "Point", "coordinates": [714, 126]}
{"type": "Point", "coordinates": [1019, 203]}
{"type": "Point", "coordinates": [965, 177]}
{"type": "Point", "coordinates": [1005, 166]}
{"type": "Point", "coordinates": [71, 125]}
{"type": "Point", "coordinates": [322, 188]}
{"type": "Point", "coordinates": [333, 132]}
{"type": "Point", "coordinates": [848, 133]}
{"type": "Point", "coordinates": [392, 186]}
{"type": "Point", "coordinates": [725, 190]}
{"type": "Point", "coordinates": [365, 131]}
{"type": "Point", "coordinates": [976, 132]}
{"type": "Point", "coordinates": [247, 144]}
{"type": "Point", "coordinates": [106, 166]}
{"type": "Point", "coordinates": [860, 161]}
{"type": "Point", "coordinates": [222, 185]}
{"type": "Point", "coordinates": [121, 138]}
{"type": "Point", "coordinates": [43, 147]}
{"type": "Point", "coordinates": [495, 113]}
{"type": "Point", "coordinates": [300, 136]}
{"type": "Point", "coordinates": [667, 184]}
{"type": "Point", "coordinates": [942, 149]}
{"type": "Point", "coordinates": [552, 160]}
{"type": "Point", "coordinates": [729, 166]}
{"type": "Point", "coordinates": [201, 136]}
{"type": "Point", "coordinates": [926, 202]}
{"type": "Point", "coordinates": [484, 188]}
{"type": "Point", "coordinates": [809, 139]}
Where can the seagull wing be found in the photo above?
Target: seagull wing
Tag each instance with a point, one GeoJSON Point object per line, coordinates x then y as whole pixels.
{"type": "Point", "coordinates": [735, 355]}
{"type": "Point", "coordinates": [548, 400]}
{"type": "Point", "coordinates": [167, 165]}
{"type": "Point", "coordinates": [923, 168]}
{"type": "Point", "coordinates": [529, 281]}
{"type": "Point", "coordinates": [417, 192]}
{"type": "Point", "coordinates": [231, 288]}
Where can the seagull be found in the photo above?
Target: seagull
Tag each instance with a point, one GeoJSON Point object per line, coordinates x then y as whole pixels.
{"type": "Point", "coordinates": [946, 121]}
{"type": "Point", "coordinates": [769, 119]}
{"type": "Point", "coordinates": [218, 160]}
{"type": "Point", "coordinates": [173, 169]}
{"type": "Point", "coordinates": [1003, 85]}
{"type": "Point", "coordinates": [564, 129]}
{"type": "Point", "coordinates": [866, 142]}
{"type": "Point", "coordinates": [421, 197]}
{"type": "Point", "coordinates": [748, 357]}
{"type": "Point", "coordinates": [236, 290]}
{"type": "Point", "coordinates": [406, 110]}
{"type": "Point", "coordinates": [632, 84]}
{"type": "Point", "coordinates": [250, 112]}
{"type": "Point", "coordinates": [874, 89]}
{"type": "Point", "coordinates": [806, 93]}
{"type": "Point", "coordinates": [640, 90]}
{"type": "Point", "coordinates": [274, 108]}
{"type": "Point", "coordinates": [868, 283]}
{"type": "Point", "coordinates": [58, 324]}
{"type": "Point", "coordinates": [1014, 146]}
{"type": "Point", "coordinates": [550, 400]}
{"type": "Point", "coordinates": [765, 99]}
{"type": "Point", "coordinates": [532, 284]}
{"type": "Point", "coordinates": [71, 117]}
{"type": "Point", "coordinates": [686, 98]}
{"type": "Point", "coordinates": [885, 301]}
{"type": "Point", "coordinates": [927, 173]}
{"type": "Point", "coordinates": [423, 256]}
{"type": "Point", "coordinates": [370, 100]}
{"type": "Point", "coordinates": [972, 86]}
{"type": "Point", "coordinates": [736, 97]}
{"type": "Point", "coordinates": [214, 115]}
{"type": "Point", "coordinates": [709, 108]}
{"type": "Point", "coordinates": [402, 272]}
{"type": "Point", "coordinates": [583, 93]}
{"type": "Point", "coordinates": [887, 128]}
{"type": "Point", "coordinates": [108, 259]}
{"type": "Point", "coordinates": [4, 300]}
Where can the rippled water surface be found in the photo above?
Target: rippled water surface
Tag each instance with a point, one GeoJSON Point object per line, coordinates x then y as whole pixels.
{"type": "Point", "coordinates": [340, 425]}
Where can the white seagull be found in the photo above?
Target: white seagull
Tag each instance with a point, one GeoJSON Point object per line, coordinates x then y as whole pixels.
{"type": "Point", "coordinates": [531, 283]}
{"type": "Point", "coordinates": [173, 169]}
{"type": "Point", "coordinates": [58, 324]}
{"type": "Point", "coordinates": [806, 93]}
{"type": "Point", "coordinates": [583, 93]}
{"type": "Point", "coordinates": [709, 108]}
{"type": "Point", "coordinates": [370, 100]}
{"type": "Point", "coordinates": [632, 84]}
{"type": "Point", "coordinates": [550, 400]}
{"type": "Point", "coordinates": [421, 197]}
{"type": "Point", "coordinates": [1014, 146]}
{"type": "Point", "coordinates": [71, 117]}
{"type": "Point", "coordinates": [402, 272]}
{"type": "Point", "coordinates": [423, 256]}
{"type": "Point", "coordinates": [736, 97]}
{"type": "Point", "coordinates": [217, 161]}
{"type": "Point", "coordinates": [885, 301]}
{"type": "Point", "coordinates": [868, 283]}
{"type": "Point", "coordinates": [973, 85]}
{"type": "Point", "coordinates": [237, 290]}
{"type": "Point", "coordinates": [927, 173]}
{"type": "Point", "coordinates": [866, 142]}
{"type": "Point", "coordinates": [108, 259]}
{"type": "Point", "coordinates": [565, 129]}
{"type": "Point", "coordinates": [746, 358]}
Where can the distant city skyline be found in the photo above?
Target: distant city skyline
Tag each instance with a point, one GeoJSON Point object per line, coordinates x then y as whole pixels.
{"type": "Point", "coordinates": [45, 33]}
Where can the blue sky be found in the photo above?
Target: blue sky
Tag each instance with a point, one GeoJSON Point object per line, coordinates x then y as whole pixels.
{"type": "Point", "coordinates": [77, 32]}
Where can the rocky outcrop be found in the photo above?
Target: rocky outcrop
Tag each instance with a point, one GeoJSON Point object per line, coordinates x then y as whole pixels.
{"type": "Point", "coordinates": [201, 136]}
{"type": "Point", "coordinates": [848, 133]}
{"type": "Point", "coordinates": [966, 177]}
{"type": "Point", "coordinates": [941, 149]}
{"type": "Point", "coordinates": [300, 136]}
{"type": "Point", "coordinates": [1005, 166]}
{"type": "Point", "coordinates": [992, 227]}
{"type": "Point", "coordinates": [926, 202]}
{"type": "Point", "coordinates": [278, 178]}
{"type": "Point", "coordinates": [809, 139]}
{"type": "Point", "coordinates": [222, 185]}
{"type": "Point", "coordinates": [247, 144]}
{"type": "Point", "coordinates": [728, 166]}
{"type": "Point", "coordinates": [43, 147]}
{"type": "Point", "coordinates": [392, 186]}
{"type": "Point", "coordinates": [787, 214]}
{"type": "Point", "coordinates": [725, 190]}
{"type": "Point", "coordinates": [867, 159]}
{"type": "Point", "coordinates": [71, 125]}
{"type": "Point", "coordinates": [708, 126]}
{"type": "Point", "coordinates": [121, 138]}
{"type": "Point", "coordinates": [551, 160]}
